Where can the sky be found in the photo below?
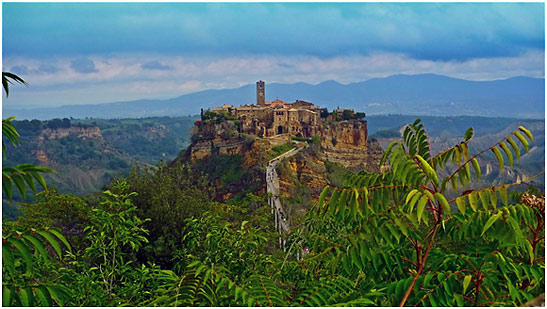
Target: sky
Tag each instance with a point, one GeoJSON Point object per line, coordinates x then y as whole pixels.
{"type": "Point", "coordinates": [81, 53]}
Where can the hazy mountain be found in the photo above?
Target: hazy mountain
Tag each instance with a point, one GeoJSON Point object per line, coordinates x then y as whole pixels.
{"type": "Point", "coordinates": [424, 94]}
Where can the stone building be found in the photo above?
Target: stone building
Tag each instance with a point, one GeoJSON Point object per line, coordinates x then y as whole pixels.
{"type": "Point", "coordinates": [269, 118]}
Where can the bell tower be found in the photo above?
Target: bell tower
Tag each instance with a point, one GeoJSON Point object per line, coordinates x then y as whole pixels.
{"type": "Point", "coordinates": [260, 93]}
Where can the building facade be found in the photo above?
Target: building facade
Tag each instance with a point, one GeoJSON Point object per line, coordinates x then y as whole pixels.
{"type": "Point", "coordinates": [270, 118]}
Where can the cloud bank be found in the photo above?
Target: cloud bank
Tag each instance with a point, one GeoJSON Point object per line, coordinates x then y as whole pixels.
{"type": "Point", "coordinates": [126, 77]}
{"type": "Point", "coordinates": [76, 53]}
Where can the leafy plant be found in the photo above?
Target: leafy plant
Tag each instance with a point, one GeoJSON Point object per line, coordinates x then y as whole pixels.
{"type": "Point", "coordinates": [115, 234]}
{"type": "Point", "coordinates": [28, 270]}
{"type": "Point", "coordinates": [24, 283]}
{"type": "Point", "coordinates": [400, 230]}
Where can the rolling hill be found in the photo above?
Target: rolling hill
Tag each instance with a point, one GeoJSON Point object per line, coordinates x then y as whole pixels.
{"type": "Point", "coordinates": [424, 94]}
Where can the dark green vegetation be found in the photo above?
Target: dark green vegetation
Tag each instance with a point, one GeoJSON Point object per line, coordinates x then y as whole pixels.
{"type": "Point", "coordinates": [155, 238]}
{"type": "Point", "coordinates": [88, 153]}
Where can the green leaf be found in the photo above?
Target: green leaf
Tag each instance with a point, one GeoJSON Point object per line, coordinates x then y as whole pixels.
{"type": "Point", "coordinates": [528, 133]}
{"type": "Point", "coordinates": [39, 179]}
{"type": "Point", "coordinates": [421, 206]}
{"type": "Point", "coordinates": [493, 198]}
{"type": "Point", "coordinates": [485, 199]}
{"type": "Point", "coordinates": [454, 182]}
{"type": "Point", "coordinates": [23, 250]}
{"type": "Point", "coordinates": [503, 195]}
{"type": "Point", "coordinates": [410, 195]}
{"type": "Point", "coordinates": [387, 152]}
{"type": "Point", "coordinates": [428, 169]}
{"type": "Point", "coordinates": [322, 196]}
{"type": "Point", "coordinates": [43, 295]}
{"type": "Point", "coordinates": [37, 244]}
{"type": "Point", "coordinates": [477, 168]}
{"type": "Point", "coordinates": [7, 186]}
{"type": "Point", "coordinates": [365, 200]}
{"type": "Point", "coordinates": [467, 172]}
{"type": "Point", "coordinates": [508, 153]}
{"type": "Point", "coordinates": [499, 157]}
{"type": "Point", "coordinates": [466, 281]}
{"type": "Point", "coordinates": [62, 238]}
{"type": "Point", "coordinates": [468, 134]}
{"type": "Point", "coordinates": [514, 146]}
{"type": "Point", "coordinates": [444, 203]}
{"type": "Point", "coordinates": [522, 140]}
{"type": "Point", "coordinates": [20, 183]}
{"type": "Point", "coordinates": [473, 201]}
{"type": "Point", "coordinates": [52, 241]}
{"type": "Point", "coordinates": [413, 201]}
{"type": "Point", "coordinates": [6, 296]}
{"type": "Point", "coordinates": [56, 295]}
{"type": "Point", "coordinates": [26, 297]}
{"type": "Point", "coordinates": [491, 221]}
{"type": "Point", "coordinates": [460, 202]}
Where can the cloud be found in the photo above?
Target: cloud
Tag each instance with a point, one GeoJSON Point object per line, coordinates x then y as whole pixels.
{"type": "Point", "coordinates": [64, 85]}
{"type": "Point", "coordinates": [83, 65]}
{"type": "Point", "coordinates": [156, 65]}
{"type": "Point", "coordinates": [427, 31]}
{"type": "Point", "coordinates": [47, 69]}
{"type": "Point", "coordinates": [19, 69]}
{"type": "Point", "coordinates": [42, 69]}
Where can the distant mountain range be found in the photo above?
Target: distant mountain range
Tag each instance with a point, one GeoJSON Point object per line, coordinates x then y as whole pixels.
{"type": "Point", "coordinates": [423, 94]}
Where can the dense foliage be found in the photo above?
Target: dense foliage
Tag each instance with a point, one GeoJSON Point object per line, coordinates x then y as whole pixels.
{"type": "Point", "coordinates": [155, 238]}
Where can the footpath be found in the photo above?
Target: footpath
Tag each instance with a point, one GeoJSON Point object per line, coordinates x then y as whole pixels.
{"type": "Point", "coordinates": [272, 187]}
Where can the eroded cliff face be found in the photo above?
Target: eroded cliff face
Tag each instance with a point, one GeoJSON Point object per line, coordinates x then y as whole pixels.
{"type": "Point", "coordinates": [347, 143]}
{"type": "Point", "coordinates": [80, 132]}
{"type": "Point", "coordinates": [211, 139]}
{"type": "Point", "coordinates": [303, 176]}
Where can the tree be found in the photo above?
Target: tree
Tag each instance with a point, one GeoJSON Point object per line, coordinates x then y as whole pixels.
{"type": "Point", "coordinates": [168, 196]}
{"type": "Point", "coordinates": [422, 248]}
{"type": "Point", "coordinates": [396, 239]}
{"type": "Point", "coordinates": [23, 283]}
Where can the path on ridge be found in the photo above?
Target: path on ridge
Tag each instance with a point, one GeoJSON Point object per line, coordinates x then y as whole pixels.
{"type": "Point", "coordinates": [272, 186]}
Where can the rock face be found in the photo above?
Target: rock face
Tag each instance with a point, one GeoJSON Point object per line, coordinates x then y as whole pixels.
{"type": "Point", "coordinates": [210, 139]}
{"type": "Point", "coordinates": [80, 132]}
{"type": "Point", "coordinates": [304, 175]}
{"type": "Point", "coordinates": [307, 170]}
{"type": "Point", "coordinates": [347, 143]}
{"type": "Point", "coordinates": [343, 142]}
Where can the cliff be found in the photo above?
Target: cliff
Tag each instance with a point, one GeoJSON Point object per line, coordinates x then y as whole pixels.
{"type": "Point", "coordinates": [347, 143]}
{"type": "Point", "coordinates": [213, 139]}
{"type": "Point", "coordinates": [76, 131]}
{"type": "Point", "coordinates": [218, 148]}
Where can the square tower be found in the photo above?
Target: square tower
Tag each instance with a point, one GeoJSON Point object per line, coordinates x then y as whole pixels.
{"type": "Point", "coordinates": [260, 93]}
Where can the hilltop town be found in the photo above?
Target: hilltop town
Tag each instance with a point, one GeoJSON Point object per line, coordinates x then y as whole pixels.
{"type": "Point", "coordinates": [341, 135]}
{"type": "Point", "coordinates": [270, 118]}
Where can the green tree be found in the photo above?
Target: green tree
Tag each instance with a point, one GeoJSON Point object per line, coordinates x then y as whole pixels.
{"type": "Point", "coordinates": [168, 195]}
{"type": "Point", "coordinates": [420, 247]}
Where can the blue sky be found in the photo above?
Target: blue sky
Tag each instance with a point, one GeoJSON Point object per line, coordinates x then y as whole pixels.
{"type": "Point", "coordinates": [74, 53]}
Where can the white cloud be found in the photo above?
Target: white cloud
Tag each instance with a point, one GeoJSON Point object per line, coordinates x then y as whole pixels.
{"type": "Point", "coordinates": [122, 77]}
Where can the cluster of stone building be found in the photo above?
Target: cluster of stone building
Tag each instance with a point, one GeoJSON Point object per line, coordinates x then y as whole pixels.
{"type": "Point", "coordinates": [270, 118]}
